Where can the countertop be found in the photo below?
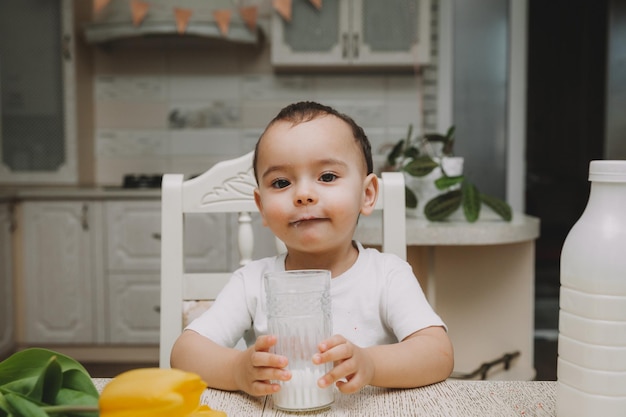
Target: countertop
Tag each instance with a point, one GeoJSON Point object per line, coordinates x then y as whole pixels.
{"type": "Point", "coordinates": [78, 193]}
{"type": "Point", "coordinates": [488, 230]}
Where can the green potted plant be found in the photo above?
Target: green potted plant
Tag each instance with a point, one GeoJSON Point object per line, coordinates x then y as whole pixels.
{"type": "Point", "coordinates": [439, 179]}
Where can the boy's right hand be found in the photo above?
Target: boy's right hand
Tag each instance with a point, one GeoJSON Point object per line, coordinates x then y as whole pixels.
{"type": "Point", "coordinates": [257, 367]}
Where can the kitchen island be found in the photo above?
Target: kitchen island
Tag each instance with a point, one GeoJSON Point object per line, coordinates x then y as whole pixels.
{"type": "Point", "coordinates": [480, 278]}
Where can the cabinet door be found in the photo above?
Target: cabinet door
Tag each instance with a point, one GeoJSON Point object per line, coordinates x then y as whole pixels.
{"type": "Point", "coordinates": [6, 278]}
{"type": "Point", "coordinates": [391, 32]}
{"type": "Point", "coordinates": [134, 245]}
{"type": "Point", "coordinates": [60, 263]}
{"type": "Point", "coordinates": [133, 308]}
{"type": "Point", "coordinates": [37, 89]}
{"type": "Point", "coordinates": [368, 33]}
{"type": "Point", "coordinates": [312, 37]}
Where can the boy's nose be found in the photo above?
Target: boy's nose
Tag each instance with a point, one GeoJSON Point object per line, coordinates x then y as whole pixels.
{"type": "Point", "coordinates": [305, 196]}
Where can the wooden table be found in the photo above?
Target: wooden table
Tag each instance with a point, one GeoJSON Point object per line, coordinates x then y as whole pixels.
{"type": "Point", "coordinates": [450, 398]}
{"type": "Point", "coordinates": [480, 278]}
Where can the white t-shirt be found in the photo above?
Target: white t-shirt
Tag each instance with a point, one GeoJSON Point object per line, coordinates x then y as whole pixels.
{"type": "Point", "coordinates": [377, 301]}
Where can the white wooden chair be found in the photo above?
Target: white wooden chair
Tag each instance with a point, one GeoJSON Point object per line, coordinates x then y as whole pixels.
{"type": "Point", "coordinates": [228, 188]}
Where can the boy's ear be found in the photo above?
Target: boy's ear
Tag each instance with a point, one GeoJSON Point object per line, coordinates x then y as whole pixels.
{"type": "Point", "coordinates": [370, 194]}
{"type": "Point", "coordinates": [259, 204]}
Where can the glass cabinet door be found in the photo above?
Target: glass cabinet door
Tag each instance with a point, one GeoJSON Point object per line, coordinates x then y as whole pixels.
{"type": "Point", "coordinates": [37, 141]}
{"type": "Point", "coordinates": [391, 32]}
{"type": "Point", "coordinates": [312, 37]}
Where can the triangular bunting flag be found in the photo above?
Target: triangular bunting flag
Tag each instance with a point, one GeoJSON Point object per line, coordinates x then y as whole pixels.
{"type": "Point", "coordinates": [283, 7]}
{"type": "Point", "coordinates": [98, 5]}
{"type": "Point", "coordinates": [139, 10]}
{"type": "Point", "coordinates": [316, 3]}
{"type": "Point", "coordinates": [222, 18]}
{"type": "Point", "coordinates": [249, 16]}
{"type": "Point", "coordinates": [182, 17]}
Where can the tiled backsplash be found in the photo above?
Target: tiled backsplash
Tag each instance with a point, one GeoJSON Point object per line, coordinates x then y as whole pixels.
{"type": "Point", "coordinates": [184, 109]}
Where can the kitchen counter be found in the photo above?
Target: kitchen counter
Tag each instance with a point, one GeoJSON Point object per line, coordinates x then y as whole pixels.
{"type": "Point", "coordinates": [419, 231]}
{"type": "Point", "coordinates": [79, 193]}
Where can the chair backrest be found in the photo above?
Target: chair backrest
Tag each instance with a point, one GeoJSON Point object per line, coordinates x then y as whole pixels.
{"type": "Point", "coordinates": [228, 188]}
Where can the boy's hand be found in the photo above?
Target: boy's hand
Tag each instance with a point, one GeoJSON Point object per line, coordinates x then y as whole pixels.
{"type": "Point", "coordinates": [354, 368]}
{"type": "Point", "coordinates": [257, 366]}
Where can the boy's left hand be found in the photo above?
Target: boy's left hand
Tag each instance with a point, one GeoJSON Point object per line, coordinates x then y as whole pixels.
{"type": "Point", "coordinates": [354, 367]}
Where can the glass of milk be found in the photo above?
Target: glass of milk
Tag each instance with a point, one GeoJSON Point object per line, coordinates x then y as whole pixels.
{"type": "Point", "coordinates": [299, 315]}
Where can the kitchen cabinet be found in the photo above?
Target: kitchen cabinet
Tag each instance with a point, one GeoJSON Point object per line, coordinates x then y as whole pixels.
{"type": "Point", "coordinates": [62, 272]}
{"type": "Point", "coordinates": [6, 287]}
{"type": "Point", "coordinates": [38, 91]}
{"type": "Point", "coordinates": [353, 33]}
{"type": "Point", "coordinates": [90, 264]}
{"type": "Point", "coordinates": [134, 264]}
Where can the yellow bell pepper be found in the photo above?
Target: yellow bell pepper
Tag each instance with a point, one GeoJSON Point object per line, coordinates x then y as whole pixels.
{"type": "Point", "coordinates": [154, 392]}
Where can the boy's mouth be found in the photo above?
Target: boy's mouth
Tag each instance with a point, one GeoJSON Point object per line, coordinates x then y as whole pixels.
{"type": "Point", "coordinates": [304, 220]}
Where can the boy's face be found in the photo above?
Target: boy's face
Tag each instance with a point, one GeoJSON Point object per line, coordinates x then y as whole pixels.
{"type": "Point", "coordinates": [313, 183]}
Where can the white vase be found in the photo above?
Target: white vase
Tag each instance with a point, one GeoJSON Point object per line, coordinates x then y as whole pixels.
{"type": "Point", "coordinates": [424, 187]}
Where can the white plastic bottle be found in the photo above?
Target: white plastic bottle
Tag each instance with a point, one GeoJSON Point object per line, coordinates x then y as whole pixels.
{"type": "Point", "coordinates": [591, 368]}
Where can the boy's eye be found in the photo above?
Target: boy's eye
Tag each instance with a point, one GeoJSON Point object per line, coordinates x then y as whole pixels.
{"type": "Point", "coordinates": [280, 183]}
{"type": "Point", "coordinates": [328, 177]}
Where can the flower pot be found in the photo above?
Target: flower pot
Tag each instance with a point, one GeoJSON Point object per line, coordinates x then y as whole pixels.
{"type": "Point", "coordinates": [424, 187]}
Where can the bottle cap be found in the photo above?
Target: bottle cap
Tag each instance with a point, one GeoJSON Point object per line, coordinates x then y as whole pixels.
{"type": "Point", "coordinates": [607, 171]}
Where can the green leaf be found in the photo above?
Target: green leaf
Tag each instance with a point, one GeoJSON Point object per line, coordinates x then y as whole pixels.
{"type": "Point", "coordinates": [76, 380]}
{"type": "Point", "coordinates": [395, 153]}
{"type": "Point", "coordinates": [23, 407]}
{"type": "Point", "coordinates": [48, 383]}
{"type": "Point", "coordinates": [500, 207]}
{"type": "Point", "coordinates": [77, 398]}
{"type": "Point", "coordinates": [421, 166]}
{"type": "Point", "coordinates": [471, 201]}
{"type": "Point", "coordinates": [411, 152]}
{"type": "Point", "coordinates": [42, 376]}
{"type": "Point", "coordinates": [442, 206]}
{"type": "Point", "coordinates": [449, 141]}
{"type": "Point", "coordinates": [410, 198]}
{"type": "Point", "coordinates": [446, 182]}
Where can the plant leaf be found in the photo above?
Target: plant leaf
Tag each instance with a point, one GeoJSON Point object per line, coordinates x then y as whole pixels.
{"type": "Point", "coordinates": [23, 407]}
{"type": "Point", "coordinates": [410, 198]}
{"type": "Point", "coordinates": [448, 146]}
{"type": "Point", "coordinates": [499, 206]}
{"type": "Point", "coordinates": [76, 380]}
{"type": "Point", "coordinates": [395, 153]}
{"type": "Point", "coordinates": [421, 166]}
{"type": "Point", "coordinates": [69, 396]}
{"type": "Point", "coordinates": [471, 201]}
{"type": "Point", "coordinates": [440, 207]}
{"type": "Point", "coordinates": [49, 382]}
{"type": "Point", "coordinates": [446, 182]}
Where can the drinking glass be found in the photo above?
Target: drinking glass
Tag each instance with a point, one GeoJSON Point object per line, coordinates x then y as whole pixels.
{"type": "Point", "coordinates": [299, 315]}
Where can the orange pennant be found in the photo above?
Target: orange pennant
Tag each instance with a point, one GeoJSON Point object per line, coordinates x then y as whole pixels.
{"type": "Point", "coordinates": [139, 10]}
{"type": "Point", "coordinates": [283, 7]}
{"type": "Point", "coordinates": [316, 3]}
{"type": "Point", "coordinates": [182, 18]}
{"type": "Point", "coordinates": [222, 18]}
{"type": "Point", "coordinates": [249, 15]}
{"type": "Point", "coordinates": [98, 5]}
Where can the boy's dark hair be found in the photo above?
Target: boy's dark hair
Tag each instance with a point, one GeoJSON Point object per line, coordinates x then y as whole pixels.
{"type": "Point", "coordinates": [306, 111]}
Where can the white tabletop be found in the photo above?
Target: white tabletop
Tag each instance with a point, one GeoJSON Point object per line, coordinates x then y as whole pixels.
{"type": "Point", "coordinates": [450, 398]}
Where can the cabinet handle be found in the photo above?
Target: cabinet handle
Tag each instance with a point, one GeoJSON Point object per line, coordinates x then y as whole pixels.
{"type": "Point", "coordinates": [355, 45]}
{"type": "Point", "coordinates": [345, 45]}
{"type": "Point", "coordinates": [157, 309]}
{"type": "Point", "coordinates": [156, 236]}
{"type": "Point", "coordinates": [85, 217]}
{"type": "Point", "coordinates": [66, 49]}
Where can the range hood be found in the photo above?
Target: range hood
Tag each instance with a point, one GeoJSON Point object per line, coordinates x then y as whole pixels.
{"type": "Point", "coordinates": [115, 22]}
